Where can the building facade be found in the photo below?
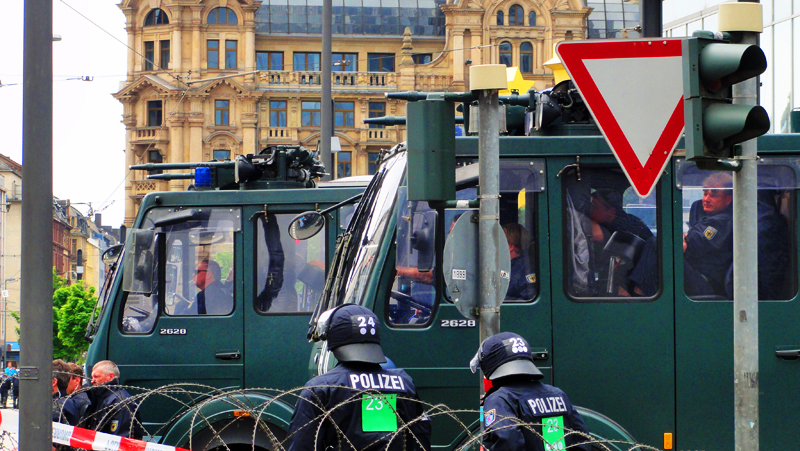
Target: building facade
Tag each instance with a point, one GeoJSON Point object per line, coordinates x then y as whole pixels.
{"type": "Point", "coordinates": [779, 93]}
{"type": "Point", "coordinates": [10, 245]}
{"type": "Point", "coordinates": [178, 108]}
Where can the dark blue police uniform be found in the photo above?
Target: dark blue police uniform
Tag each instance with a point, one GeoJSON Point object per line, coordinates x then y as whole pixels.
{"type": "Point", "coordinates": [522, 285]}
{"type": "Point", "coordinates": [65, 411]}
{"type": "Point", "coordinates": [709, 254]}
{"type": "Point", "coordinates": [358, 405]}
{"type": "Point", "coordinates": [520, 412]}
{"type": "Point", "coordinates": [114, 411]}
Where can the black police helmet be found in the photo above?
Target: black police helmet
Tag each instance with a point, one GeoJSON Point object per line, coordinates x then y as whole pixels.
{"type": "Point", "coordinates": [353, 334]}
{"type": "Point", "coordinates": [505, 354]}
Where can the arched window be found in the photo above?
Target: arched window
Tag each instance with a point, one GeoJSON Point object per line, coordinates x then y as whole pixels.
{"type": "Point", "coordinates": [515, 15]}
{"type": "Point", "coordinates": [505, 53]}
{"type": "Point", "coordinates": [156, 17]}
{"type": "Point", "coordinates": [526, 57]}
{"type": "Point", "coordinates": [222, 16]}
{"type": "Point", "coordinates": [532, 19]}
{"type": "Point", "coordinates": [499, 17]}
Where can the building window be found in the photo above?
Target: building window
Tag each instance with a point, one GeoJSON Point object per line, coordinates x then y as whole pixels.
{"type": "Point", "coordinates": [505, 54]}
{"type": "Point", "coordinates": [269, 60]}
{"type": "Point", "coordinates": [213, 54]}
{"type": "Point", "coordinates": [311, 114]}
{"type": "Point", "coordinates": [222, 154]}
{"type": "Point", "coordinates": [343, 164]}
{"type": "Point", "coordinates": [372, 162]}
{"type": "Point", "coordinates": [344, 114]}
{"type": "Point", "coordinates": [156, 17]}
{"type": "Point", "coordinates": [422, 58]}
{"type": "Point", "coordinates": [231, 50]}
{"type": "Point", "coordinates": [277, 114]}
{"type": "Point", "coordinates": [222, 16]}
{"type": "Point", "coordinates": [221, 112]}
{"type": "Point", "coordinates": [516, 15]}
{"type": "Point", "coordinates": [149, 54]}
{"type": "Point", "coordinates": [306, 61]}
{"type": "Point", "coordinates": [532, 19]}
{"type": "Point", "coordinates": [154, 156]}
{"type": "Point", "coordinates": [499, 17]}
{"type": "Point", "coordinates": [164, 61]}
{"type": "Point", "coordinates": [377, 109]}
{"type": "Point", "coordinates": [154, 113]}
{"type": "Point", "coordinates": [345, 62]}
{"type": "Point", "coordinates": [380, 62]}
{"type": "Point", "coordinates": [526, 57]}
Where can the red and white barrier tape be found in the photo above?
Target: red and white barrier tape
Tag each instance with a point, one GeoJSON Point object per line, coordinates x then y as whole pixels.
{"type": "Point", "coordinates": [98, 441]}
{"type": "Point", "coordinates": [65, 434]}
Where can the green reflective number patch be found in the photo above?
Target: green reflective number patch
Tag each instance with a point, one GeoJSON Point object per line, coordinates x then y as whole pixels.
{"type": "Point", "coordinates": [378, 413]}
{"type": "Point", "coordinates": [553, 433]}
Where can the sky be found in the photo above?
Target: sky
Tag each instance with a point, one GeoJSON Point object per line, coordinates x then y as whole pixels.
{"type": "Point", "coordinates": [88, 136]}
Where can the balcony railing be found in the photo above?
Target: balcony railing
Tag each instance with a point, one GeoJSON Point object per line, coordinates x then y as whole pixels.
{"type": "Point", "coordinates": [148, 134]}
{"type": "Point", "coordinates": [432, 82]}
{"type": "Point", "coordinates": [142, 187]}
{"type": "Point", "coordinates": [354, 79]}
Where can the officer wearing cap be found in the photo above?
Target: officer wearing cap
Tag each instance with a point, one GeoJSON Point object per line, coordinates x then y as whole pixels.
{"type": "Point", "coordinates": [358, 405]}
{"type": "Point", "coordinates": [519, 411]}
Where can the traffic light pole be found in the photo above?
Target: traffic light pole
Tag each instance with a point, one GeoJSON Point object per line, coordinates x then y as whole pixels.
{"type": "Point", "coordinates": [745, 289]}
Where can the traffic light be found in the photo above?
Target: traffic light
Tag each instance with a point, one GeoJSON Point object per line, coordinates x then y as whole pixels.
{"type": "Point", "coordinates": [713, 123]}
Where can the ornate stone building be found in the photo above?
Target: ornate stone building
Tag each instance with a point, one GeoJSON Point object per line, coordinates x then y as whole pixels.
{"type": "Point", "coordinates": [212, 79]}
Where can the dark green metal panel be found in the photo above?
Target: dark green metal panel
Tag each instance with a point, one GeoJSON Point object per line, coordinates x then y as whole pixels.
{"type": "Point", "coordinates": [431, 151]}
{"type": "Point", "coordinates": [524, 146]}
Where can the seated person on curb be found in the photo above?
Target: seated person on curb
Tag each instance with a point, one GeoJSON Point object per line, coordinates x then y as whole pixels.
{"type": "Point", "coordinates": [212, 299]}
{"type": "Point", "coordinates": [113, 410]}
{"type": "Point", "coordinates": [523, 276]}
{"type": "Point", "coordinates": [520, 413]}
{"type": "Point", "coordinates": [358, 405]}
{"type": "Point", "coordinates": [708, 245]}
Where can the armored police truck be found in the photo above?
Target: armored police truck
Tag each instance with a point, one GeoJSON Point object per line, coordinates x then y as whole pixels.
{"type": "Point", "coordinates": [627, 300]}
{"type": "Point", "coordinates": [210, 292]}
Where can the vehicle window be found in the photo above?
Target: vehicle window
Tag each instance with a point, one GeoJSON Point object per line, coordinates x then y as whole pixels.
{"type": "Point", "coordinates": [611, 250]}
{"type": "Point", "coordinates": [708, 232]}
{"type": "Point", "coordinates": [198, 271]}
{"type": "Point", "coordinates": [290, 273]}
{"type": "Point", "coordinates": [414, 287]}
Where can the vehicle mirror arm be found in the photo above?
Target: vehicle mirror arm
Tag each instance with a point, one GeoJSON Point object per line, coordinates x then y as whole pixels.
{"type": "Point", "coordinates": [342, 203]}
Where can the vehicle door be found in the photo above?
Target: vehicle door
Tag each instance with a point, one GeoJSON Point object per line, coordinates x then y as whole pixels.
{"type": "Point", "coordinates": [435, 345]}
{"type": "Point", "coordinates": [287, 279]}
{"type": "Point", "coordinates": [180, 315]}
{"type": "Point", "coordinates": [704, 316]}
{"type": "Point", "coordinates": [612, 296]}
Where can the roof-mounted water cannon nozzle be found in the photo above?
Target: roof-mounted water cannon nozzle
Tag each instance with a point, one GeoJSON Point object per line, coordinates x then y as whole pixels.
{"type": "Point", "coordinates": [398, 120]}
{"type": "Point", "coordinates": [408, 96]}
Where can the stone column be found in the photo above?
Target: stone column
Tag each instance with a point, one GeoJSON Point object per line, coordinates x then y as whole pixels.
{"type": "Point", "coordinates": [130, 159]}
{"type": "Point", "coordinates": [177, 57]}
{"type": "Point", "coordinates": [458, 59]}
{"type": "Point", "coordinates": [197, 45]}
{"type": "Point", "coordinates": [249, 122]}
{"type": "Point", "coordinates": [475, 52]}
{"type": "Point", "coordinates": [195, 149]}
{"type": "Point", "coordinates": [176, 149]}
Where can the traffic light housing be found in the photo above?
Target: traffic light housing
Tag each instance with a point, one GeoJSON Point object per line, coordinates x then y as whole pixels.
{"type": "Point", "coordinates": [714, 125]}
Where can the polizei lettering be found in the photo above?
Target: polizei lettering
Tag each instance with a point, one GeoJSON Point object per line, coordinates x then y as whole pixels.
{"type": "Point", "coordinates": [370, 381]}
{"type": "Point", "coordinates": [549, 405]}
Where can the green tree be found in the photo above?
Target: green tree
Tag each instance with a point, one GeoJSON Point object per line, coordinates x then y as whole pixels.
{"type": "Point", "coordinates": [72, 309]}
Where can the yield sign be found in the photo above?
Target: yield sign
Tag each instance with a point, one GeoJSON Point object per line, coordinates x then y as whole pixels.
{"type": "Point", "coordinates": [634, 89]}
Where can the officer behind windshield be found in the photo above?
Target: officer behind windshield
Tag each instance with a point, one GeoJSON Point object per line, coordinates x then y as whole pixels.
{"type": "Point", "coordinates": [520, 412]}
{"type": "Point", "coordinates": [361, 406]}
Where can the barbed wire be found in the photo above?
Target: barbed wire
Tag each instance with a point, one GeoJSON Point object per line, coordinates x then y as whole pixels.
{"type": "Point", "coordinates": [198, 407]}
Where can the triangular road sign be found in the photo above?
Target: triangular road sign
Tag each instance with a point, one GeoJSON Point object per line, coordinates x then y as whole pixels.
{"type": "Point", "coordinates": [634, 89]}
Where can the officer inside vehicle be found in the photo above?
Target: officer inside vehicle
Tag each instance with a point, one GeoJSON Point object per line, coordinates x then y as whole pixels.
{"type": "Point", "coordinates": [519, 411]}
{"type": "Point", "coordinates": [708, 245]}
{"type": "Point", "coordinates": [358, 405]}
{"type": "Point", "coordinates": [212, 299]}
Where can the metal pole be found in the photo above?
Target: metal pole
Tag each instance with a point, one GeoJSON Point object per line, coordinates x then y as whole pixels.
{"type": "Point", "coordinates": [745, 289]}
{"type": "Point", "coordinates": [36, 299]}
{"type": "Point", "coordinates": [651, 18]}
{"type": "Point", "coordinates": [327, 108]}
{"type": "Point", "coordinates": [489, 181]}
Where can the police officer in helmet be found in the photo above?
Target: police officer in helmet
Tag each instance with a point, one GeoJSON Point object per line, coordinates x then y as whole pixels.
{"type": "Point", "coordinates": [368, 407]}
{"type": "Point", "coordinates": [519, 411]}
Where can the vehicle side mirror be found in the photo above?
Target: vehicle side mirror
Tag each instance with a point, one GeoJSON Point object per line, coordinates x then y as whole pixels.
{"type": "Point", "coordinates": [306, 225]}
{"type": "Point", "coordinates": [138, 263]}
{"type": "Point", "coordinates": [111, 255]}
{"type": "Point", "coordinates": [422, 240]}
